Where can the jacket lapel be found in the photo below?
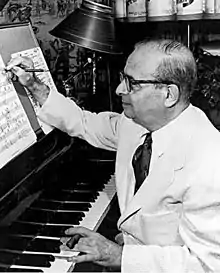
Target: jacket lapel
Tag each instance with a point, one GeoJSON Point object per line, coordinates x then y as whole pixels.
{"type": "Point", "coordinates": [174, 139]}
{"type": "Point", "coordinates": [159, 179]}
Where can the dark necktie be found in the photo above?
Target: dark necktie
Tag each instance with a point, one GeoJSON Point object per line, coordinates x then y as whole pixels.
{"type": "Point", "coordinates": [141, 161]}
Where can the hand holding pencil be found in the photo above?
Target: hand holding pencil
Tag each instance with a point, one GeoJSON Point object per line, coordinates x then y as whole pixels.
{"type": "Point", "coordinates": [25, 63]}
{"type": "Point", "coordinates": [23, 68]}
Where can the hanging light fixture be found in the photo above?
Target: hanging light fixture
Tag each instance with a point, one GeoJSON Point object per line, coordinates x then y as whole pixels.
{"type": "Point", "coordinates": [91, 26]}
{"type": "Point", "coordinates": [3, 4]}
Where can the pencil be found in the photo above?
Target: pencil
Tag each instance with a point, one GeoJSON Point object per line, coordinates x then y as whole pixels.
{"type": "Point", "coordinates": [36, 70]}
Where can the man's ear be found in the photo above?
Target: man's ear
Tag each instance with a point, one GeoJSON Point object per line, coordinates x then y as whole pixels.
{"type": "Point", "coordinates": [172, 96]}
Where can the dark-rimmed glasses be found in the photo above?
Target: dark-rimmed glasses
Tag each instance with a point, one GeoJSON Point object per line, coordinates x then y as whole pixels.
{"type": "Point", "coordinates": [135, 85]}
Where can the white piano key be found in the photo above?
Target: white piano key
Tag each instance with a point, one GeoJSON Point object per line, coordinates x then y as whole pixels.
{"type": "Point", "coordinates": [100, 208]}
{"type": "Point", "coordinates": [60, 265]}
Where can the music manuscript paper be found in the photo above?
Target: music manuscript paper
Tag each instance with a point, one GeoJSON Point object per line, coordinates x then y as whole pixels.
{"type": "Point", "coordinates": [16, 133]}
{"type": "Point", "coordinates": [39, 62]}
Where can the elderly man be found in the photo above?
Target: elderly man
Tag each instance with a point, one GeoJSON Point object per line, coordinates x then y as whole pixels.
{"type": "Point", "coordinates": [170, 211]}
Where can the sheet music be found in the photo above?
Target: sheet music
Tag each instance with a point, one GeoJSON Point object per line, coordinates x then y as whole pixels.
{"type": "Point", "coordinates": [38, 59]}
{"type": "Point", "coordinates": [16, 133]}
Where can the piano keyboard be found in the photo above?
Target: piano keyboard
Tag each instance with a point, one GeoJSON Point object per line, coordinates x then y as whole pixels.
{"type": "Point", "coordinates": [90, 218]}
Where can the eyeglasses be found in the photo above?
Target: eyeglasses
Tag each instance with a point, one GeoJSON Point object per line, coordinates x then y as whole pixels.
{"type": "Point", "coordinates": [135, 85]}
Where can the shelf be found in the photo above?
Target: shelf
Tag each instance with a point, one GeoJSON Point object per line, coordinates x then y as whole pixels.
{"type": "Point", "coordinates": [144, 19]}
{"type": "Point", "coordinates": [171, 18]}
{"type": "Point", "coordinates": [209, 16]}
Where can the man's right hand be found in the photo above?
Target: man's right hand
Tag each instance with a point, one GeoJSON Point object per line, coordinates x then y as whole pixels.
{"type": "Point", "coordinates": [16, 66]}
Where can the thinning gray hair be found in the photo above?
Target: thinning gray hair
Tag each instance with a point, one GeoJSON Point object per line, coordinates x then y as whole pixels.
{"type": "Point", "coordinates": [177, 66]}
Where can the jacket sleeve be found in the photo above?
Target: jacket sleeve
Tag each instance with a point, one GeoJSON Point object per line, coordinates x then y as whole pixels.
{"type": "Point", "coordinates": [100, 130]}
{"type": "Point", "coordinates": [199, 229]}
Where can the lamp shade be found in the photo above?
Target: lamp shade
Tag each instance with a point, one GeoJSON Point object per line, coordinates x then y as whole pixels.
{"type": "Point", "coordinates": [2, 4]}
{"type": "Point", "coordinates": [91, 26]}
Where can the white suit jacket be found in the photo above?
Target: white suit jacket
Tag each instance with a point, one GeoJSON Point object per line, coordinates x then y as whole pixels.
{"type": "Point", "coordinates": [172, 224]}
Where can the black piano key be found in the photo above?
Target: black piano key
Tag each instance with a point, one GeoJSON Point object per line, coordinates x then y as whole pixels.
{"type": "Point", "coordinates": [7, 258]}
{"type": "Point", "coordinates": [3, 268]}
{"type": "Point", "coordinates": [88, 186]}
{"type": "Point", "coordinates": [14, 242]}
{"type": "Point", "coordinates": [95, 181]}
{"type": "Point", "coordinates": [37, 216]}
{"type": "Point", "coordinates": [93, 193]}
{"type": "Point", "coordinates": [47, 216]}
{"type": "Point", "coordinates": [54, 231]}
{"type": "Point", "coordinates": [80, 186]}
{"type": "Point", "coordinates": [55, 195]}
{"type": "Point", "coordinates": [45, 204]}
{"type": "Point", "coordinates": [81, 206]}
{"type": "Point", "coordinates": [25, 228]}
{"type": "Point", "coordinates": [44, 245]}
{"type": "Point", "coordinates": [83, 186]}
{"type": "Point", "coordinates": [68, 218]}
{"type": "Point", "coordinates": [74, 196]}
{"type": "Point", "coordinates": [38, 260]}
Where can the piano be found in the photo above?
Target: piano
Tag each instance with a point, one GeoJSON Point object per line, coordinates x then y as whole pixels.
{"type": "Point", "coordinates": [56, 183]}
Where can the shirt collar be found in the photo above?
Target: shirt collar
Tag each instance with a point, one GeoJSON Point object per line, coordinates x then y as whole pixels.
{"type": "Point", "coordinates": [172, 132]}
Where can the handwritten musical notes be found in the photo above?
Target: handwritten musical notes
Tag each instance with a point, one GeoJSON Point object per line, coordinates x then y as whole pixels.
{"type": "Point", "coordinates": [16, 133]}
{"type": "Point", "coordinates": [39, 62]}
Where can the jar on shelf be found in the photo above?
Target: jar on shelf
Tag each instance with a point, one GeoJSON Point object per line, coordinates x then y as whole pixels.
{"type": "Point", "coordinates": [209, 6]}
{"type": "Point", "coordinates": [189, 9]}
{"type": "Point", "coordinates": [137, 8]}
{"type": "Point", "coordinates": [120, 8]}
{"type": "Point", "coordinates": [158, 9]}
{"type": "Point", "coordinates": [217, 6]}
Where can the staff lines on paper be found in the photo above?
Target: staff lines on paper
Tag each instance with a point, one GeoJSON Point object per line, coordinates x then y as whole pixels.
{"type": "Point", "coordinates": [11, 122]}
{"type": "Point", "coordinates": [5, 101]}
{"type": "Point", "coordinates": [23, 133]}
{"type": "Point", "coordinates": [6, 89]}
{"type": "Point", "coordinates": [9, 111]}
{"type": "Point", "coordinates": [6, 130]}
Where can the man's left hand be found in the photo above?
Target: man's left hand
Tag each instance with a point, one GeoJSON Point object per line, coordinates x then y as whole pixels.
{"type": "Point", "coordinates": [93, 247]}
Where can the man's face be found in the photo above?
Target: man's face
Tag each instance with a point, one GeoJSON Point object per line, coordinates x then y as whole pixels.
{"type": "Point", "coordinates": [144, 103]}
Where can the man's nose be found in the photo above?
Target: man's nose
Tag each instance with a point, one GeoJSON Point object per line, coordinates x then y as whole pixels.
{"type": "Point", "coordinates": [122, 89]}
